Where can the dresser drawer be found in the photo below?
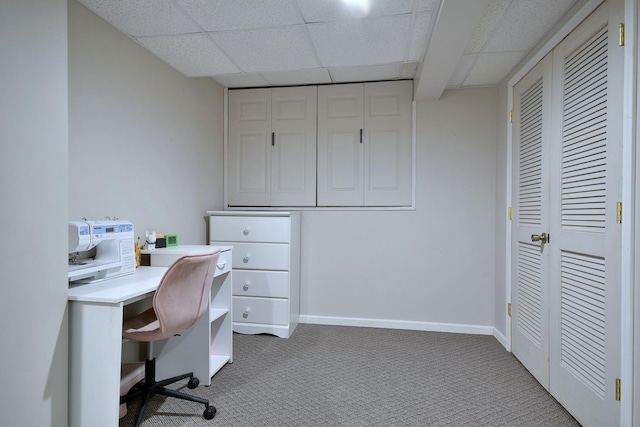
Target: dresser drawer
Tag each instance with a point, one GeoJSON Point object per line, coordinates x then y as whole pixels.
{"type": "Point", "coordinates": [261, 283]}
{"type": "Point", "coordinates": [260, 310]}
{"type": "Point", "coordinates": [259, 256]}
{"type": "Point", "coordinates": [249, 229]}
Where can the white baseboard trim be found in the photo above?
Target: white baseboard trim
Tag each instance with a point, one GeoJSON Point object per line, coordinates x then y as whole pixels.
{"type": "Point", "coordinates": [501, 338]}
{"type": "Point", "coordinates": [399, 324]}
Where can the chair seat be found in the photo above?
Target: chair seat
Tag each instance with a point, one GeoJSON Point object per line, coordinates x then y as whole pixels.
{"type": "Point", "coordinates": [143, 327]}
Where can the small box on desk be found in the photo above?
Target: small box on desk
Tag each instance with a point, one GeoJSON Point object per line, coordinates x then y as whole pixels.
{"type": "Point", "coordinates": [168, 241]}
{"type": "Point", "coordinates": [171, 239]}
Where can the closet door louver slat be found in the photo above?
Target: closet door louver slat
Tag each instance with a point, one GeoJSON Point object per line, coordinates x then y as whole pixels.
{"type": "Point", "coordinates": [530, 167]}
{"type": "Point", "coordinates": [584, 137]}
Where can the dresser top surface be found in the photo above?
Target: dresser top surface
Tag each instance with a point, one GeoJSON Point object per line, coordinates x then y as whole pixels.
{"type": "Point", "coordinates": [252, 213]}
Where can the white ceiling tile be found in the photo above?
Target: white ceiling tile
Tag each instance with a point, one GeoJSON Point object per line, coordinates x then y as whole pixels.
{"type": "Point", "coordinates": [194, 55]}
{"type": "Point", "coordinates": [491, 68]}
{"type": "Point", "coordinates": [266, 42]}
{"type": "Point", "coordinates": [364, 42]}
{"type": "Point", "coordinates": [518, 31]}
{"type": "Point", "coordinates": [462, 69]}
{"type": "Point", "coordinates": [223, 15]}
{"type": "Point", "coordinates": [278, 49]}
{"type": "Point", "coordinates": [298, 77]}
{"type": "Point", "coordinates": [490, 18]}
{"type": "Point", "coordinates": [241, 80]}
{"type": "Point", "coordinates": [368, 73]}
{"type": "Point", "coordinates": [143, 17]}
{"type": "Point", "coordinates": [420, 36]}
{"type": "Point", "coordinates": [332, 10]}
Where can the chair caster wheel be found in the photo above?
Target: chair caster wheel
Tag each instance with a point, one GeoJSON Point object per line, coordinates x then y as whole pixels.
{"type": "Point", "coordinates": [193, 383]}
{"type": "Point", "coordinates": [209, 413]}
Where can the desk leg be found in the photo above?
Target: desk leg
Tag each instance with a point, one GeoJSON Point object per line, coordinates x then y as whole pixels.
{"type": "Point", "coordinates": [95, 351]}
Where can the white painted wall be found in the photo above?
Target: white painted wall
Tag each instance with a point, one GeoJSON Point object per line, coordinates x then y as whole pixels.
{"type": "Point", "coordinates": [33, 210]}
{"type": "Point", "coordinates": [432, 268]}
{"type": "Point", "coordinates": [145, 142]}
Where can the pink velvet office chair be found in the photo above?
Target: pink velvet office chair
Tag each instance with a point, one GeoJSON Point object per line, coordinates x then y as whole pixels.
{"type": "Point", "coordinates": [181, 298]}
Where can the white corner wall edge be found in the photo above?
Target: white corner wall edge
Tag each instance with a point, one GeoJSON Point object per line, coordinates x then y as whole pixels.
{"type": "Point", "coordinates": [502, 339]}
{"type": "Point", "coordinates": [399, 324]}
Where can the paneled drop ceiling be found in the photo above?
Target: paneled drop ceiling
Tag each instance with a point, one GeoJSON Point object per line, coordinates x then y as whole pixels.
{"type": "Point", "coordinates": [249, 43]}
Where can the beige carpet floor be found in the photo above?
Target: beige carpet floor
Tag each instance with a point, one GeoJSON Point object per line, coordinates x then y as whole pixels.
{"type": "Point", "coordinates": [350, 376]}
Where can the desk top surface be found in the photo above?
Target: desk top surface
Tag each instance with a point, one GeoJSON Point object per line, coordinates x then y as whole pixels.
{"type": "Point", "coordinates": [114, 291]}
{"type": "Point", "coordinates": [143, 281]}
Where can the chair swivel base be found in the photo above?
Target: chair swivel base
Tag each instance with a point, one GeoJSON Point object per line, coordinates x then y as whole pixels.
{"type": "Point", "coordinates": [149, 387]}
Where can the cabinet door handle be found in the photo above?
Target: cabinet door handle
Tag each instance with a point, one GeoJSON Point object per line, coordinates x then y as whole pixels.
{"type": "Point", "coordinates": [246, 258]}
{"type": "Point", "coordinates": [221, 265]}
{"type": "Point", "coordinates": [246, 285]}
{"type": "Point", "coordinates": [246, 313]}
{"type": "Point", "coordinates": [246, 230]}
{"type": "Point", "coordinates": [360, 136]}
{"type": "Point", "coordinates": [273, 139]}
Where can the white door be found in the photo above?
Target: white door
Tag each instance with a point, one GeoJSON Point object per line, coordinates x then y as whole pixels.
{"type": "Point", "coordinates": [568, 288]}
{"type": "Point", "coordinates": [387, 143]}
{"type": "Point", "coordinates": [293, 146]}
{"type": "Point", "coordinates": [530, 270]}
{"type": "Point", "coordinates": [585, 247]}
{"type": "Point", "coordinates": [340, 145]}
{"type": "Point", "coordinates": [249, 157]}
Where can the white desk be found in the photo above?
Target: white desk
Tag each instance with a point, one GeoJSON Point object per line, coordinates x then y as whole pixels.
{"type": "Point", "coordinates": [96, 314]}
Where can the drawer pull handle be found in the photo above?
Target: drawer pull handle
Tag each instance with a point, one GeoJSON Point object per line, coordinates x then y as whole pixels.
{"type": "Point", "coordinates": [221, 265]}
{"type": "Point", "coordinates": [246, 230]}
{"type": "Point", "coordinates": [246, 313]}
{"type": "Point", "coordinates": [246, 286]}
{"type": "Point", "coordinates": [246, 258]}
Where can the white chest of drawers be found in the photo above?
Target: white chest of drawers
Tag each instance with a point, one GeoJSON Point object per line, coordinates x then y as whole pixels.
{"type": "Point", "coordinates": [266, 268]}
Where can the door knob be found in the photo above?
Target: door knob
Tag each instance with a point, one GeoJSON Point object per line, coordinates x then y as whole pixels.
{"type": "Point", "coordinates": [539, 237]}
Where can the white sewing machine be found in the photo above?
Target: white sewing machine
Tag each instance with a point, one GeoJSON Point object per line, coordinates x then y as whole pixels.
{"type": "Point", "coordinates": [100, 250]}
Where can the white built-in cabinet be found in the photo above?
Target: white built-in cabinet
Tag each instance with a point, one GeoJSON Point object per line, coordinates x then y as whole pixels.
{"type": "Point", "coordinates": [266, 268]}
{"type": "Point", "coordinates": [364, 144]}
{"type": "Point", "coordinates": [272, 147]}
{"type": "Point", "coordinates": [356, 138]}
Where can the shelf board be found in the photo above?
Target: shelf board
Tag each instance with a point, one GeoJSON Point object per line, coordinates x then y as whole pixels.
{"type": "Point", "coordinates": [216, 363]}
{"type": "Point", "coordinates": [216, 313]}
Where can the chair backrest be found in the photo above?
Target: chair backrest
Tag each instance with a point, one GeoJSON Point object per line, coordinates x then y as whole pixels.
{"type": "Point", "coordinates": [183, 294]}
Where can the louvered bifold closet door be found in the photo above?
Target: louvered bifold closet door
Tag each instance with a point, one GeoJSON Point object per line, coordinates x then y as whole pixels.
{"type": "Point", "coordinates": [585, 239]}
{"type": "Point", "coordinates": [530, 291]}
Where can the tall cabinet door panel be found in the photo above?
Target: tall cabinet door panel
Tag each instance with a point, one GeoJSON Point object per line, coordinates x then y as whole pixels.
{"type": "Point", "coordinates": [387, 143]}
{"type": "Point", "coordinates": [586, 238]}
{"type": "Point", "coordinates": [530, 268]}
{"type": "Point", "coordinates": [340, 152]}
{"type": "Point", "coordinates": [249, 157]}
{"type": "Point", "coordinates": [293, 158]}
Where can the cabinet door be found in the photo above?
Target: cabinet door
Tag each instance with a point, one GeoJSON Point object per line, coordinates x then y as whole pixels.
{"type": "Point", "coordinates": [249, 159]}
{"type": "Point", "coordinates": [293, 150]}
{"type": "Point", "coordinates": [387, 143]}
{"type": "Point", "coordinates": [340, 152]}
